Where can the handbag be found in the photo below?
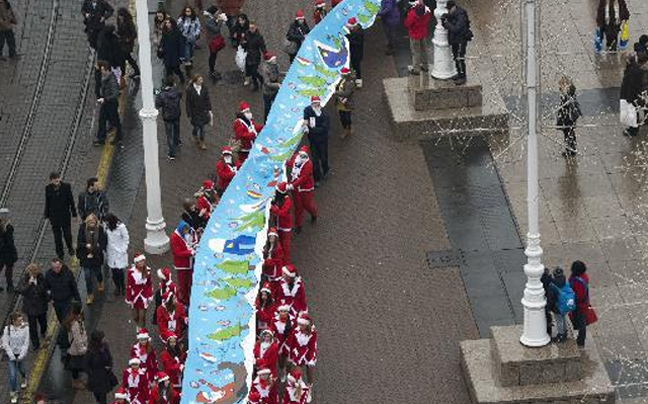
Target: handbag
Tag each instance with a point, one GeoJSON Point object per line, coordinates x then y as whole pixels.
{"type": "Point", "coordinates": [216, 44]}
{"type": "Point", "coordinates": [240, 57]}
{"type": "Point", "coordinates": [112, 380]}
{"type": "Point", "coordinates": [289, 47]}
{"type": "Point", "coordinates": [590, 315]}
{"type": "Point", "coordinates": [625, 36]}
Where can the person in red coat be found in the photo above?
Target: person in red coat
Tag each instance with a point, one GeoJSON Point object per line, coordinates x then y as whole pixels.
{"type": "Point", "coordinates": [245, 130]}
{"type": "Point", "coordinates": [280, 208]}
{"type": "Point", "coordinates": [282, 326]}
{"type": "Point", "coordinates": [417, 23]}
{"type": "Point", "coordinates": [207, 200]}
{"type": "Point", "coordinates": [139, 289]}
{"type": "Point", "coordinates": [302, 183]}
{"type": "Point", "coordinates": [302, 346]}
{"type": "Point", "coordinates": [266, 351]}
{"type": "Point", "coordinates": [136, 383]}
{"type": "Point", "coordinates": [226, 169]}
{"type": "Point", "coordinates": [291, 290]}
{"type": "Point", "coordinates": [144, 352]}
{"type": "Point", "coordinates": [166, 285]}
{"type": "Point", "coordinates": [579, 282]}
{"type": "Point", "coordinates": [121, 396]}
{"type": "Point", "coordinates": [273, 255]}
{"type": "Point", "coordinates": [265, 307]}
{"type": "Point", "coordinates": [296, 391]}
{"type": "Point", "coordinates": [173, 359]}
{"type": "Point", "coordinates": [171, 316]}
{"type": "Point", "coordinates": [320, 11]}
{"type": "Point", "coordinates": [183, 242]}
{"type": "Point", "coordinates": [163, 392]}
{"type": "Point", "coordinates": [266, 385]}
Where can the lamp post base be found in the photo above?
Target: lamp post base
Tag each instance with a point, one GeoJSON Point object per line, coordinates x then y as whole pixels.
{"type": "Point", "coordinates": [156, 241]}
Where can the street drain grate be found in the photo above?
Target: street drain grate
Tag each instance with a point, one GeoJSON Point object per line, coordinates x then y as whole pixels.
{"type": "Point", "coordinates": [443, 259]}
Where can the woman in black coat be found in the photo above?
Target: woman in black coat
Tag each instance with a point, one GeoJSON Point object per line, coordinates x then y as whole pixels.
{"type": "Point", "coordinates": [199, 109]}
{"type": "Point", "coordinates": [170, 49]}
{"type": "Point", "coordinates": [127, 33]}
{"type": "Point", "coordinates": [91, 244]}
{"type": "Point", "coordinates": [101, 379]}
{"type": "Point", "coordinates": [8, 252]}
{"type": "Point", "coordinates": [34, 291]}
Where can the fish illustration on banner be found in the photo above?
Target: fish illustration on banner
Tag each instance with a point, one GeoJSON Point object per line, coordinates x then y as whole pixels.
{"type": "Point", "coordinates": [227, 265]}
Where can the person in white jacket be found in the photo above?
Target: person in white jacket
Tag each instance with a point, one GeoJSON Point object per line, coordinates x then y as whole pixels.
{"type": "Point", "coordinates": [117, 251]}
{"type": "Point", "coordinates": [15, 342]}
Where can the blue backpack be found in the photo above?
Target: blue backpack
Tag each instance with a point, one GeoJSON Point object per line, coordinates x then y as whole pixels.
{"type": "Point", "coordinates": [566, 299]}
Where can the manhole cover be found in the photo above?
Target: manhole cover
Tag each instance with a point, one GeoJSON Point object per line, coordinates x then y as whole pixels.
{"type": "Point", "coordinates": [442, 259]}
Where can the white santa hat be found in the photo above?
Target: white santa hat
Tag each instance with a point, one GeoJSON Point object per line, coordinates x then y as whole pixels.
{"type": "Point", "coordinates": [264, 371]}
{"type": "Point", "coordinates": [139, 258]}
{"type": "Point", "coordinates": [304, 319]}
{"type": "Point", "coordinates": [143, 334]}
{"type": "Point", "coordinates": [284, 307]}
{"type": "Point", "coordinates": [164, 273]}
{"type": "Point", "coordinates": [289, 270]}
{"type": "Point", "coordinates": [134, 361]}
{"type": "Point", "coordinates": [267, 331]}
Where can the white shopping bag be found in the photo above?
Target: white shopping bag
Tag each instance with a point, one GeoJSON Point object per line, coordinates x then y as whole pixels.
{"type": "Point", "coordinates": [627, 114]}
{"type": "Point", "coordinates": [240, 58]}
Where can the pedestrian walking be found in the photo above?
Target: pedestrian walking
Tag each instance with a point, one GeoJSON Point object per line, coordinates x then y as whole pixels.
{"type": "Point", "coordinates": [173, 358]}
{"type": "Point", "coordinates": [109, 105]}
{"type": "Point", "coordinates": [33, 289]}
{"type": "Point", "coordinates": [7, 22]}
{"type": "Point", "coordinates": [159, 21]}
{"type": "Point", "coordinates": [199, 110]}
{"type": "Point", "coordinates": [171, 49]}
{"type": "Point", "coordinates": [296, 34]}
{"type": "Point", "coordinates": [457, 23]}
{"type": "Point", "coordinates": [93, 201]}
{"type": "Point", "coordinates": [143, 350]}
{"type": "Point", "coordinates": [127, 34]}
{"type": "Point", "coordinates": [265, 309]}
{"type": "Point", "coordinates": [168, 100]}
{"type": "Point", "coordinates": [92, 243]}
{"type": "Point", "coordinates": [356, 47]}
{"type": "Point", "coordinates": [302, 183]}
{"type": "Point", "coordinates": [183, 244]}
{"type": "Point", "coordinates": [318, 122]}
{"type": "Point", "coordinates": [139, 289]}
{"type": "Point", "coordinates": [635, 77]}
{"type": "Point", "coordinates": [610, 15]}
{"type": "Point", "coordinates": [117, 241]}
{"type": "Point", "coordinates": [226, 169]}
{"type": "Point", "coordinates": [291, 290]}
{"type": "Point", "coordinates": [214, 22]}
{"type": "Point", "coordinates": [95, 13]}
{"type": "Point", "coordinates": [60, 209]}
{"type": "Point", "coordinates": [320, 11]}
{"type": "Point", "coordinates": [282, 326]}
{"type": "Point", "coordinates": [15, 343]}
{"type": "Point", "coordinates": [192, 216]}
{"type": "Point", "coordinates": [296, 391]}
{"type": "Point", "coordinates": [75, 327]}
{"type": "Point", "coordinates": [8, 251]}
{"type": "Point", "coordinates": [583, 315]}
{"type": "Point", "coordinates": [239, 29]}
{"type": "Point", "coordinates": [271, 82]}
{"type": "Point", "coordinates": [109, 49]}
{"type": "Point", "coordinates": [266, 350]}
{"type": "Point", "coordinates": [390, 16]}
{"type": "Point", "coordinates": [280, 208]}
{"type": "Point", "coordinates": [171, 316]}
{"type": "Point", "coordinates": [273, 261]}
{"type": "Point", "coordinates": [254, 44]}
{"type": "Point", "coordinates": [302, 346]}
{"type": "Point", "coordinates": [344, 101]}
{"type": "Point", "coordinates": [163, 392]}
{"type": "Point", "coordinates": [417, 23]}
{"type": "Point", "coordinates": [568, 114]}
{"type": "Point", "coordinates": [245, 130]}
{"type": "Point", "coordinates": [189, 26]}
{"type": "Point", "coordinates": [562, 300]}
{"type": "Point", "coordinates": [61, 287]}
{"type": "Point", "coordinates": [101, 379]}
{"type": "Point", "coordinates": [136, 383]}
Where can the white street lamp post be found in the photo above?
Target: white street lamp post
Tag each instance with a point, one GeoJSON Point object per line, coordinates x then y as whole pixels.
{"type": "Point", "coordinates": [156, 242]}
{"type": "Point", "coordinates": [444, 67]}
{"type": "Point", "coordinates": [534, 301]}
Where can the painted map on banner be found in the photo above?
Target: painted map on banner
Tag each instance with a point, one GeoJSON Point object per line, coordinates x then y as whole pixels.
{"type": "Point", "coordinates": [227, 268]}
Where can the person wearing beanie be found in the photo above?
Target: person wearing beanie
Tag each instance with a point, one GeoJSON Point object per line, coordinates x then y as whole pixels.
{"type": "Point", "coordinates": [183, 249]}
{"type": "Point", "coordinates": [457, 23]}
{"type": "Point", "coordinates": [143, 351]}
{"type": "Point", "coordinates": [344, 101]}
{"type": "Point", "coordinates": [280, 209]}
{"type": "Point", "coordinates": [136, 382]}
{"type": "Point", "coordinates": [139, 289]}
{"type": "Point", "coordinates": [301, 346]}
{"type": "Point", "coordinates": [320, 11]}
{"type": "Point", "coordinates": [226, 169]}
{"type": "Point", "coordinates": [318, 122]}
{"type": "Point", "coordinates": [273, 259]}
{"type": "Point", "coordinates": [168, 101]}
{"type": "Point", "coordinates": [271, 82]}
{"type": "Point", "coordinates": [171, 316]}
{"type": "Point", "coordinates": [356, 48]}
{"type": "Point", "coordinates": [245, 130]}
{"type": "Point", "coordinates": [579, 282]}
{"type": "Point", "coordinates": [173, 358]}
{"type": "Point", "coordinates": [215, 20]}
{"type": "Point", "coordinates": [291, 290]}
{"type": "Point", "coordinates": [296, 34]}
{"type": "Point", "coordinates": [302, 183]}
{"type": "Point", "coordinates": [266, 351]}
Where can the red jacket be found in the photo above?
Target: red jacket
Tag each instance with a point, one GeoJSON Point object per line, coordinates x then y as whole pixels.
{"type": "Point", "coordinates": [417, 27]}
{"type": "Point", "coordinates": [273, 263]}
{"type": "Point", "coordinates": [172, 396]}
{"type": "Point", "coordinates": [226, 173]}
{"type": "Point", "coordinates": [282, 330]}
{"type": "Point", "coordinates": [301, 348]}
{"type": "Point", "coordinates": [246, 133]}
{"type": "Point", "coordinates": [139, 289]}
{"type": "Point", "coordinates": [264, 315]}
{"type": "Point", "coordinates": [270, 356]}
{"type": "Point", "coordinates": [581, 291]}
{"type": "Point", "coordinates": [268, 391]}
{"type": "Point", "coordinates": [204, 204]}
{"type": "Point", "coordinates": [137, 385]}
{"type": "Point", "coordinates": [290, 394]}
{"type": "Point", "coordinates": [302, 180]}
{"type": "Point", "coordinates": [293, 296]}
{"type": "Point", "coordinates": [148, 359]}
{"type": "Point", "coordinates": [283, 214]}
{"type": "Point", "coordinates": [335, 2]}
{"type": "Point", "coordinates": [173, 366]}
{"type": "Point", "coordinates": [181, 251]}
{"type": "Point", "coordinates": [175, 322]}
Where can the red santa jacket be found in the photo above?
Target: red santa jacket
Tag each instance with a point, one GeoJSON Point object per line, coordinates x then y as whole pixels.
{"type": "Point", "coordinates": [182, 252]}
{"type": "Point", "coordinates": [148, 359]}
{"type": "Point", "coordinates": [301, 178]}
{"type": "Point", "coordinates": [246, 133]}
{"type": "Point", "coordinates": [283, 214]}
{"type": "Point", "coordinates": [226, 173]}
{"type": "Point", "coordinates": [282, 329]}
{"type": "Point", "coordinates": [273, 263]}
{"type": "Point", "coordinates": [291, 395]}
{"type": "Point", "coordinates": [335, 2]}
{"type": "Point", "coordinates": [265, 315]}
{"type": "Point", "coordinates": [294, 295]}
{"type": "Point", "coordinates": [136, 384]}
{"type": "Point", "coordinates": [268, 391]}
{"type": "Point", "coordinates": [172, 396]}
{"type": "Point", "coordinates": [202, 203]}
{"type": "Point", "coordinates": [269, 355]}
{"type": "Point", "coordinates": [173, 366]}
{"type": "Point", "coordinates": [302, 347]}
{"type": "Point", "coordinates": [175, 321]}
{"type": "Point", "coordinates": [139, 287]}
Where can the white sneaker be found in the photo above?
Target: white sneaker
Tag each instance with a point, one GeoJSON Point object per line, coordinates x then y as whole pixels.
{"type": "Point", "coordinates": [359, 83]}
{"type": "Point", "coordinates": [246, 82]}
{"type": "Point", "coordinates": [23, 385]}
{"type": "Point", "coordinates": [14, 397]}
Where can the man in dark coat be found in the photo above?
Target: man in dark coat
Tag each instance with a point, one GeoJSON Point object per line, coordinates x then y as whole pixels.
{"type": "Point", "coordinates": [318, 123]}
{"type": "Point", "coordinates": [635, 80]}
{"type": "Point", "coordinates": [60, 209]}
{"type": "Point", "coordinates": [297, 33]}
{"type": "Point", "coordinates": [62, 290]}
{"type": "Point", "coordinates": [458, 25]}
{"type": "Point", "coordinates": [95, 13]}
{"type": "Point", "coordinates": [199, 110]}
{"type": "Point", "coordinates": [168, 100]}
{"type": "Point", "coordinates": [93, 200]}
{"type": "Point", "coordinates": [255, 46]}
{"type": "Point", "coordinates": [34, 291]}
{"type": "Point", "coordinates": [356, 47]}
{"type": "Point", "coordinates": [8, 252]}
{"type": "Point", "coordinates": [171, 47]}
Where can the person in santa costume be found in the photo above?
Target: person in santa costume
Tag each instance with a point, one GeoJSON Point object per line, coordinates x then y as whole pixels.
{"type": "Point", "coordinates": [254, 397]}
{"type": "Point", "coordinates": [320, 11]}
{"type": "Point", "coordinates": [173, 359]}
{"type": "Point", "coordinates": [265, 384]}
{"type": "Point", "coordinates": [302, 183]}
{"type": "Point", "coordinates": [280, 208]}
{"type": "Point", "coordinates": [207, 199]}
{"type": "Point", "coordinates": [291, 290]}
{"type": "Point", "coordinates": [226, 169]}
{"type": "Point", "coordinates": [183, 244]}
{"type": "Point", "coordinates": [296, 391]}
{"type": "Point", "coordinates": [136, 383]}
{"type": "Point", "coordinates": [273, 255]}
{"type": "Point", "coordinates": [281, 327]}
{"type": "Point", "coordinates": [143, 350]}
{"type": "Point", "coordinates": [166, 285]}
{"type": "Point", "coordinates": [171, 316]}
{"type": "Point", "coordinates": [265, 307]}
{"type": "Point", "coordinates": [245, 130]}
{"type": "Point", "coordinates": [121, 396]}
{"type": "Point", "coordinates": [302, 346]}
{"type": "Point", "coordinates": [139, 289]}
{"type": "Point", "coordinates": [335, 3]}
{"type": "Point", "coordinates": [266, 351]}
{"type": "Point", "coordinates": [163, 392]}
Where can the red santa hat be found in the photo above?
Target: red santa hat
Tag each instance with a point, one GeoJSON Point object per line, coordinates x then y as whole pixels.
{"type": "Point", "coordinates": [244, 107]}
{"type": "Point", "coordinates": [142, 333]}
{"type": "Point", "coordinates": [164, 274]}
{"type": "Point", "coordinates": [264, 371]}
{"type": "Point", "coordinates": [345, 70]}
{"type": "Point", "coordinates": [299, 15]}
{"type": "Point", "coordinates": [266, 287]}
{"type": "Point", "coordinates": [284, 307]}
{"type": "Point", "coordinates": [273, 232]}
{"type": "Point", "coordinates": [134, 361]}
{"type": "Point", "coordinates": [254, 397]}
{"type": "Point", "coordinates": [352, 22]}
{"type": "Point", "coordinates": [294, 375]}
{"type": "Point", "coordinates": [304, 150]}
{"type": "Point", "coordinates": [289, 270]}
{"type": "Point", "coordinates": [208, 184]}
{"type": "Point", "coordinates": [269, 56]}
{"type": "Point", "coordinates": [304, 319]}
{"type": "Point", "coordinates": [282, 187]}
{"type": "Point", "coordinates": [168, 335]}
{"type": "Point", "coordinates": [315, 99]}
{"type": "Point", "coordinates": [226, 150]}
{"type": "Point", "coordinates": [139, 257]}
{"type": "Point", "coordinates": [161, 376]}
{"type": "Point", "coordinates": [121, 394]}
{"type": "Point", "coordinates": [320, 3]}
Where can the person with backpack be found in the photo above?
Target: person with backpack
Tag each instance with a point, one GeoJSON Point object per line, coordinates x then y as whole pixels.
{"type": "Point", "coordinates": [457, 23]}
{"type": "Point", "coordinates": [564, 302]}
{"type": "Point", "coordinates": [579, 282]}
